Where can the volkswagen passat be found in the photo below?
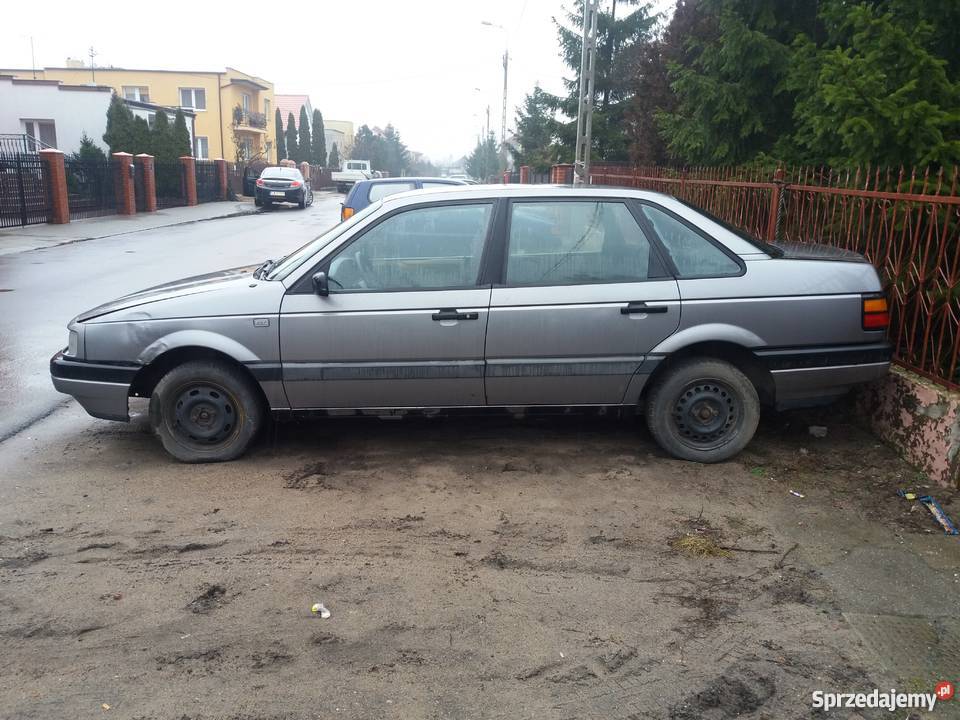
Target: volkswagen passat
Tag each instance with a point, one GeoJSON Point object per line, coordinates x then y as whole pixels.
{"type": "Point", "coordinates": [498, 297]}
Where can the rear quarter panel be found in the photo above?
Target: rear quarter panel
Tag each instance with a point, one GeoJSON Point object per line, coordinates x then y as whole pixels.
{"type": "Point", "coordinates": [777, 303]}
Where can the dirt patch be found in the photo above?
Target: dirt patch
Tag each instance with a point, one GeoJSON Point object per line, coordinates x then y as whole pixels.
{"type": "Point", "coordinates": [23, 561]}
{"type": "Point", "coordinates": [210, 598]}
{"type": "Point", "coordinates": [738, 692]}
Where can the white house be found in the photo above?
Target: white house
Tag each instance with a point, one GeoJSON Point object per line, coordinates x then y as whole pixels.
{"type": "Point", "coordinates": [55, 114]}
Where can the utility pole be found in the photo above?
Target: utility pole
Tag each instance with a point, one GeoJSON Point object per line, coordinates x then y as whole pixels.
{"type": "Point", "coordinates": [588, 61]}
{"type": "Point", "coordinates": [487, 132]}
{"type": "Point", "coordinates": [93, 74]}
{"type": "Point", "coordinates": [503, 117]}
{"type": "Point", "coordinates": [33, 59]}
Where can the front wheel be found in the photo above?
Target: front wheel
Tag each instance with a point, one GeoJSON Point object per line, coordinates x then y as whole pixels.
{"type": "Point", "coordinates": [206, 411]}
{"type": "Point", "coordinates": [704, 410]}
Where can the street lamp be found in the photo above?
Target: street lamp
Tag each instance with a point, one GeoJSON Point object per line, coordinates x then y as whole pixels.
{"type": "Point", "coordinates": [506, 64]}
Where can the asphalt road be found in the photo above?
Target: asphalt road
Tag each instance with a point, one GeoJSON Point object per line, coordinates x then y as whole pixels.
{"type": "Point", "coordinates": [41, 290]}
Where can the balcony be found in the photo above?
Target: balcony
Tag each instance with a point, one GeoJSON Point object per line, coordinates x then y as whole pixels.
{"type": "Point", "coordinates": [249, 120]}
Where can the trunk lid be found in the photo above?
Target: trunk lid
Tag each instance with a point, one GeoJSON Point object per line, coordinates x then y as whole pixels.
{"type": "Point", "coordinates": [816, 251]}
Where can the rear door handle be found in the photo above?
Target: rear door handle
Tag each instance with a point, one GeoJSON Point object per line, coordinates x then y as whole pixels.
{"type": "Point", "coordinates": [454, 314]}
{"type": "Point", "coordinates": [642, 307]}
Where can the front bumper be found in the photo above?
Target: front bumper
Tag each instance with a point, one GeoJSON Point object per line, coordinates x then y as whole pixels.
{"type": "Point", "coordinates": [102, 389]}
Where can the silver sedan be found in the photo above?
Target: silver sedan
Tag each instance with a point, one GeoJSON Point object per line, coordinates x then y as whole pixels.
{"type": "Point", "coordinates": [492, 298]}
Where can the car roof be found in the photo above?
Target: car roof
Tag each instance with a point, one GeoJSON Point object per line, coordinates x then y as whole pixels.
{"type": "Point", "coordinates": [378, 181]}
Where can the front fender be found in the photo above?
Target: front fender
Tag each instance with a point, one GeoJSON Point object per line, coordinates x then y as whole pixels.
{"type": "Point", "coordinates": [711, 332]}
{"type": "Point", "coordinates": [197, 338]}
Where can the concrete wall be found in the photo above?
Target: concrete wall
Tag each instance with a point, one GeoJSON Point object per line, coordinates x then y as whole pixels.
{"type": "Point", "coordinates": [74, 111]}
{"type": "Point", "coordinates": [919, 418]}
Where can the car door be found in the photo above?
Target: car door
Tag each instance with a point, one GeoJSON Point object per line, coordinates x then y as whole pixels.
{"type": "Point", "coordinates": [583, 296]}
{"type": "Point", "coordinates": [403, 324]}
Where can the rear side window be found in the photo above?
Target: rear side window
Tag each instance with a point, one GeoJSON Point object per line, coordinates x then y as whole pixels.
{"type": "Point", "coordinates": [567, 243]}
{"type": "Point", "coordinates": [381, 190]}
{"type": "Point", "coordinates": [693, 254]}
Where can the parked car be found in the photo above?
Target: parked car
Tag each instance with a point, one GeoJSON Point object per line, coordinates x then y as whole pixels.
{"type": "Point", "coordinates": [368, 191]}
{"type": "Point", "coordinates": [492, 298]}
{"type": "Point", "coordinates": [282, 185]}
{"type": "Point", "coordinates": [353, 172]}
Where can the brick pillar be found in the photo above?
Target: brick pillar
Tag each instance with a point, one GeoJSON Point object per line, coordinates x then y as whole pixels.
{"type": "Point", "coordinates": [524, 174]}
{"type": "Point", "coordinates": [506, 178]}
{"type": "Point", "coordinates": [56, 175]}
{"type": "Point", "coordinates": [123, 183]}
{"type": "Point", "coordinates": [145, 162]}
{"type": "Point", "coordinates": [305, 170]}
{"type": "Point", "coordinates": [562, 174]}
{"type": "Point", "coordinates": [223, 183]}
{"type": "Point", "coordinates": [189, 167]}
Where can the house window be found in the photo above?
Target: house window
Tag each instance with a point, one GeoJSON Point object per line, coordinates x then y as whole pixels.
{"type": "Point", "coordinates": [266, 107]}
{"type": "Point", "coordinates": [137, 93]}
{"type": "Point", "coordinates": [246, 102]}
{"type": "Point", "coordinates": [40, 133]}
{"type": "Point", "coordinates": [151, 119]}
{"type": "Point", "coordinates": [201, 147]}
{"type": "Point", "coordinates": [193, 98]}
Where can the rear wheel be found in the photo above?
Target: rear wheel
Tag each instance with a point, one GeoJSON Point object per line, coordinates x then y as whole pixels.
{"type": "Point", "coordinates": [257, 202]}
{"type": "Point", "coordinates": [303, 200]}
{"type": "Point", "coordinates": [704, 410]}
{"type": "Point", "coordinates": [206, 411]}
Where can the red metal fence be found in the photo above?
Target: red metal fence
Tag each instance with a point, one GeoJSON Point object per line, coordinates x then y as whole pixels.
{"type": "Point", "coordinates": [906, 222]}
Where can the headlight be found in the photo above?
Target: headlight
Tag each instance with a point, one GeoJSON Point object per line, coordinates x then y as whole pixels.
{"type": "Point", "coordinates": [73, 343]}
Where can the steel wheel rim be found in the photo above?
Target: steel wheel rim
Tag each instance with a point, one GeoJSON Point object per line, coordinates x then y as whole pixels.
{"type": "Point", "coordinates": [205, 414]}
{"type": "Point", "coordinates": [707, 414]}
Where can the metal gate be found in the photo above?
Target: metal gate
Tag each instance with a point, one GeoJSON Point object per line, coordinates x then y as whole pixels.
{"type": "Point", "coordinates": [90, 190]}
{"type": "Point", "coordinates": [208, 181]}
{"type": "Point", "coordinates": [171, 190]}
{"type": "Point", "coordinates": [139, 188]}
{"type": "Point", "coordinates": [24, 197]}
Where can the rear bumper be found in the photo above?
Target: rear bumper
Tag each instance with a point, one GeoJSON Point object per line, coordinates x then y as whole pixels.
{"type": "Point", "coordinates": [101, 389]}
{"type": "Point", "coordinates": [813, 376]}
{"type": "Point", "coordinates": [290, 196]}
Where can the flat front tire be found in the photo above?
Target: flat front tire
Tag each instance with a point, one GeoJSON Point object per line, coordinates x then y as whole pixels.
{"type": "Point", "coordinates": [703, 409]}
{"type": "Point", "coordinates": [206, 411]}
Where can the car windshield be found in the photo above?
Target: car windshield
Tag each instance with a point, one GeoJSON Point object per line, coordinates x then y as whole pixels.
{"type": "Point", "coordinates": [295, 259]}
{"type": "Point", "coordinates": [280, 173]}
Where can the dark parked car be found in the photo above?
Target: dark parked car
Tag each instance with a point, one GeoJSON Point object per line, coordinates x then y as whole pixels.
{"type": "Point", "coordinates": [282, 184]}
{"type": "Point", "coordinates": [369, 191]}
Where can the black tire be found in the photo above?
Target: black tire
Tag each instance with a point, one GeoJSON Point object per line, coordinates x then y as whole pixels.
{"type": "Point", "coordinates": [206, 411]}
{"type": "Point", "coordinates": [703, 409]}
{"type": "Point", "coordinates": [257, 202]}
{"type": "Point", "coordinates": [303, 200]}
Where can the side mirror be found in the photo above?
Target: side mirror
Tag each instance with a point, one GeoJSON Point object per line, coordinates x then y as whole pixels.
{"type": "Point", "coordinates": [320, 285]}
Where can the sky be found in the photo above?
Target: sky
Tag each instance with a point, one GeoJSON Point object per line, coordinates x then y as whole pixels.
{"type": "Point", "coordinates": [430, 67]}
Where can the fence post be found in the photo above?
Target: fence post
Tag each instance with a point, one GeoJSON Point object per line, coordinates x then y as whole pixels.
{"type": "Point", "coordinates": [189, 168]}
{"type": "Point", "coordinates": [149, 181]}
{"type": "Point", "coordinates": [305, 170]}
{"type": "Point", "coordinates": [777, 199]}
{"type": "Point", "coordinates": [222, 182]}
{"type": "Point", "coordinates": [56, 174]}
{"type": "Point", "coordinates": [123, 183]}
{"type": "Point", "coordinates": [524, 174]}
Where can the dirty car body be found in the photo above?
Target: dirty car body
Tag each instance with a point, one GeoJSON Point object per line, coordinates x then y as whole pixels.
{"type": "Point", "coordinates": [496, 297]}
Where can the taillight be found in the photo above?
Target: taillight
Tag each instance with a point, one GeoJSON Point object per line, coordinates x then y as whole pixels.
{"type": "Point", "coordinates": [294, 183]}
{"type": "Point", "coordinates": [259, 182]}
{"type": "Point", "coordinates": [876, 314]}
{"type": "Point", "coordinates": [346, 213]}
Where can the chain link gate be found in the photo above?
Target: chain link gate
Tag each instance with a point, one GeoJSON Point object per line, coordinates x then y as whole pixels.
{"type": "Point", "coordinates": [24, 198]}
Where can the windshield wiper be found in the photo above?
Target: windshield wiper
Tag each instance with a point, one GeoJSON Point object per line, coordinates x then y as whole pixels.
{"type": "Point", "coordinates": [266, 267]}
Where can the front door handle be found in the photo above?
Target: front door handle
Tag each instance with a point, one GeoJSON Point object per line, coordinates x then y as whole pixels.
{"type": "Point", "coordinates": [642, 307]}
{"type": "Point", "coordinates": [454, 314]}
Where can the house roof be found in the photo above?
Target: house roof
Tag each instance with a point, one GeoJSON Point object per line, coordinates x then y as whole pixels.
{"type": "Point", "coordinates": [287, 104]}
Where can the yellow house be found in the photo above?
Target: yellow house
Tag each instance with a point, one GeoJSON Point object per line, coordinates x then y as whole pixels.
{"type": "Point", "coordinates": [234, 110]}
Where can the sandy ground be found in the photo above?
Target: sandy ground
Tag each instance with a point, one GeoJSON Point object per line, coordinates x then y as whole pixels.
{"type": "Point", "coordinates": [474, 568]}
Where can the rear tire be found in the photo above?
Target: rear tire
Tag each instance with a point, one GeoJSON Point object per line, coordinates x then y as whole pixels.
{"type": "Point", "coordinates": [206, 411]}
{"type": "Point", "coordinates": [303, 201]}
{"type": "Point", "coordinates": [704, 410]}
{"type": "Point", "coordinates": [257, 202]}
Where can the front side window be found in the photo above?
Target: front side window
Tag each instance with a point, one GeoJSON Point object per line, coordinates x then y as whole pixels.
{"type": "Point", "coordinates": [381, 190]}
{"type": "Point", "coordinates": [420, 249]}
{"type": "Point", "coordinates": [194, 98]}
{"type": "Point", "coordinates": [565, 243]}
{"type": "Point", "coordinates": [693, 254]}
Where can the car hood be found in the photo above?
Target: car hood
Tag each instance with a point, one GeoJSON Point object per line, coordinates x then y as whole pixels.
{"type": "Point", "coordinates": [187, 286]}
{"type": "Point", "coordinates": [816, 251]}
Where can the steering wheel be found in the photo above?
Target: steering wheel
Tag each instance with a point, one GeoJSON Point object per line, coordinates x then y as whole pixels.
{"type": "Point", "coordinates": [366, 269]}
